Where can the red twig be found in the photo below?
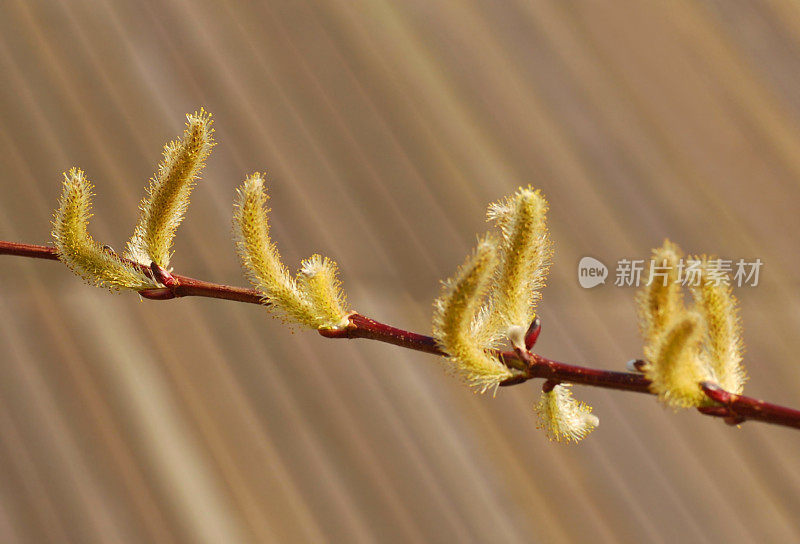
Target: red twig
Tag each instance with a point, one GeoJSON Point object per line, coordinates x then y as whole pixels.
{"type": "Point", "coordinates": [28, 250]}
{"type": "Point", "coordinates": [734, 409]}
{"type": "Point", "coordinates": [740, 408]}
{"type": "Point", "coordinates": [364, 327]}
{"type": "Point", "coordinates": [179, 286]}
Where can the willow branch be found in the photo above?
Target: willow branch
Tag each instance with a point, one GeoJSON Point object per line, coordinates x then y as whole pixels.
{"type": "Point", "coordinates": [734, 409]}
{"type": "Point", "coordinates": [185, 286]}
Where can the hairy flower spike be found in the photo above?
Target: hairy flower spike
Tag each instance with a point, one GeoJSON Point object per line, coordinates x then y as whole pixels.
{"type": "Point", "coordinates": [456, 309]}
{"type": "Point", "coordinates": [79, 251]}
{"type": "Point", "coordinates": [315, 299]}
{"type": "Point", "coordinates": [679, 366]}
{"type": "Point", "coordinates": [660, 301]}
{"type": "Point", "coordinates": [164, 206]}
{"type": "Point", "coordinates": [716, 303]}
{"type": "Point", "coordinates": [682, 347]}
{"type": "Point", "coordinates": [562, 417]}
{"type": "Point", "coordinates": [318, 279]}
{"type": "Point", "coordinates": [524, 260]}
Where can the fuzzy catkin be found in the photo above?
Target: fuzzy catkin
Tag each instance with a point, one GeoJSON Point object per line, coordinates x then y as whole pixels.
{"type": "Point", "coordinates": [660, 301]}
{"type": "Point", "coordinates": [524, 254]}
{"type": "Point", "coordinates": [723, 330]}
{"type": "Point", "coordinates": [454, 312]}
{"type": "Point", "coordinates": [563, 418]}
{"type": "Point", "coordinates": [315, 298]}
{"type": "Point", "coordinates": [163, 208]}
{"type": "Point", "coordinates": [79, 251]}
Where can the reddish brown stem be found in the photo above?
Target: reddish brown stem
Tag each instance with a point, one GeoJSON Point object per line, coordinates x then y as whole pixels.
{"type": "Point", "coordinates": [184, 286]}
{"type": "Point", "coordinates": [364, 327]}
{"type": "Point", "coordinates": [741, 408]}
{"type": "Point", "coordinates": [734, 409]}
{"type": "Point", "coordinates": [190, 287]}
{"type": "Point", "coordinates": [28, 250]}
{"type": "Point", "coordinates": [542, 367]}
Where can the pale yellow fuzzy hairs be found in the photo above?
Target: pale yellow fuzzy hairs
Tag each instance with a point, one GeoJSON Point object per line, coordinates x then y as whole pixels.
{"type": "Point", "coordinates": [686, 346]}
{"type": "Point", "coordinates": [163, 208]}
{"type": "Point", "coordinates": [87, 258]}
{"type": "Point", "coordinates": [314, 298]}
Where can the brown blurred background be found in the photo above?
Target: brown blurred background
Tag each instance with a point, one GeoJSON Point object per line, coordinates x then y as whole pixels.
{"type": "Point", "coordinates": [386, 128]}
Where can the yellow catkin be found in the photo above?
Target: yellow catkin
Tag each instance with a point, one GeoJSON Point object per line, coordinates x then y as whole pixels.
{"type": "Point", "coordinates": [318, 280]}
{"type": "Point", "coordinates": [660, 301]}
{"type": "Point", "coordinates": [454, 312]}
{"type": "Point", "coordinates": [525, 251]}
{"type": "Point", "coordinates": [164, 206]}
{"type": "Point", "coordinates": [678, 365]}
{"type": "Point", "coordinates": [563, 418]}
{"type": "Point", "coordinates": [723, 331]}
{"type": "Point", "coordinates": [79, 251]}
{"type": "Point", "coordinates": [321, 305]}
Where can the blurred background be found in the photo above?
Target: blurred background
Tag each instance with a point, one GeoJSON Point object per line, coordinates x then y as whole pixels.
{"type": "Point", "coordinates": [386, 128]}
